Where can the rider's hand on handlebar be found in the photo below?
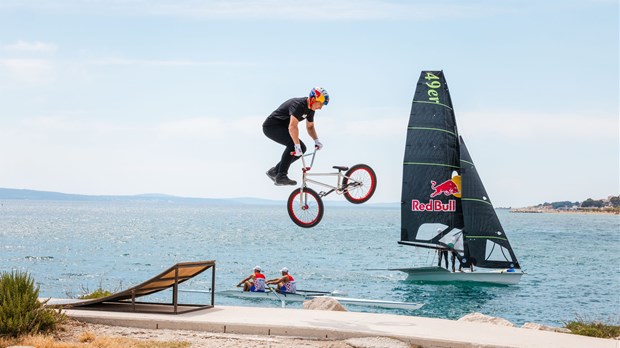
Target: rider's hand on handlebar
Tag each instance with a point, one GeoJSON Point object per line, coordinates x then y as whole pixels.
{"type": "Point", "coordinates": [298, 151]}
{"type": "Point", "coordinates": [317, 144]}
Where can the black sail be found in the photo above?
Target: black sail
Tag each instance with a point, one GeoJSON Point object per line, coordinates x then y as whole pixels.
{"type": "Point", "coordinates": [431, 161]}
{"type": "Point", "coordinates": [486, 244]}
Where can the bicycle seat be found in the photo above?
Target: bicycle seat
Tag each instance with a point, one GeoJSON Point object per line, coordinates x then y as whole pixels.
{"type": "Point", "coordinates": [340, 167]}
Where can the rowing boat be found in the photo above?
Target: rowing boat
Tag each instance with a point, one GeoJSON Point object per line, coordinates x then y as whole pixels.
{"type": "Point", "coordinates": [305, 295]}
{"type": "Point", "coordinates": [299, 296]}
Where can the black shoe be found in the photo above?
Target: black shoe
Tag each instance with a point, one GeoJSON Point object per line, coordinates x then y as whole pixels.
{"type": "Point", "coordinates": [282, 179]}
{"type": "Point", "coordinates": [271, 173]}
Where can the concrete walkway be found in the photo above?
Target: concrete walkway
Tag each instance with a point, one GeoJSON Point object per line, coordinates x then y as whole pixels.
{"type": "Point", "coordinates": [426, 332]}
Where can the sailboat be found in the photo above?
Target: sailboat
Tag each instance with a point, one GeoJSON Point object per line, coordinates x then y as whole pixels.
{"type": "Point", "coordinates": [444, 204]}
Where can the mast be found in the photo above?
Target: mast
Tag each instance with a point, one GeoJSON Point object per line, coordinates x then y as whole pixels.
{"type": "Point", "coordinates": [430, 201]}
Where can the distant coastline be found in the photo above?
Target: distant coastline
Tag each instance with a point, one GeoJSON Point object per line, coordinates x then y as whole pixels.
{"type": "Point", "coordinates": [25, 194]}
{"type": "Point", "coordinates": [531, 210]}
{"type": "Point", "coordinates": [609, 205]}
{"type": "Point", "coordinates": [35, 195]}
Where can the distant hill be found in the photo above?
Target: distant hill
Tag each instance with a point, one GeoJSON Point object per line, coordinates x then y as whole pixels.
{"type": "Point", "coordinates": [7, 193]}
{"type": "Point", "coordinates": [34, 195]}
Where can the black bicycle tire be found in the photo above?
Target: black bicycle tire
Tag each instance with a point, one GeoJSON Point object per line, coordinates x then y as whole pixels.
{"type": "Point", "coordinates": [291, 213]}
{"type": "Point", "coordinates": [373, 186]}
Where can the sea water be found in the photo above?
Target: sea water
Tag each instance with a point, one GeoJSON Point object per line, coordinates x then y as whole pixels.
{"type": "Point", "coordinates": [71, 248]}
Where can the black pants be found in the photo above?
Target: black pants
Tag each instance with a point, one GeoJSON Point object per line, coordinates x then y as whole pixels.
{"type": "Point", "coordinates": [280, 135]}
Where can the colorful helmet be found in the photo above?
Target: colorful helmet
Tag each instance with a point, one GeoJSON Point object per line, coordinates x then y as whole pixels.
{"type": "Point", "coordinates": [320, 95]}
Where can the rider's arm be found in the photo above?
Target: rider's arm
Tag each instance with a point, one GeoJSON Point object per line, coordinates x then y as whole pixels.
{"type": "Point", "coordinates": [293, 129]}
{"type": "Point", "coordinates": [243, 281]}
{"type": "Point", "coordinates": [311, 130]}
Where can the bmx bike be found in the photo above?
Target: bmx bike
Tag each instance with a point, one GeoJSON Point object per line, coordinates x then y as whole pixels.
{"type": "Point", "coordinates": [305, 205]}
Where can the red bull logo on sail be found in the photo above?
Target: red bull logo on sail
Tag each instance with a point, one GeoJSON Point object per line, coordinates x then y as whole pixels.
{"type": "Point", "coordinates": [450, 187]}
{"type": "Point", "coordinates": [433, 205]}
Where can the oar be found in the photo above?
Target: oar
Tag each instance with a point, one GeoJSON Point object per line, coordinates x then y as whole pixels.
{"type": "Point", "coordinates": [316, 291]}
{"type": "Point", "coordinates": [324, 293]}
{"type": "Point", "coordinates": [276, 294]}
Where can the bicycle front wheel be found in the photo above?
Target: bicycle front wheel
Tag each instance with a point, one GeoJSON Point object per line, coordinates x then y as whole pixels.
{"type": "Point", "coordinates": [359, 183]}
{"type": "Point", "coordinates": [305, 207]}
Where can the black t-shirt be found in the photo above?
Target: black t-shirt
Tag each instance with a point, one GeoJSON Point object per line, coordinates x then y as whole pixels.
{"type": "Point", "coordinates": [298, 107]}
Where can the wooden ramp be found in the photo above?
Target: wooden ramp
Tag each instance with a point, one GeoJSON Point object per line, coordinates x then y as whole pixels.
{"type": "Point", "coordinates": [171, 278]}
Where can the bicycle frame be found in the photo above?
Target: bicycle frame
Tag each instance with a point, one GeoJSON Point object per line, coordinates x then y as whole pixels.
{"type": "Point", "coordinates": [305, 177]}
{"type": "Point", "coordinates": [305, 205]}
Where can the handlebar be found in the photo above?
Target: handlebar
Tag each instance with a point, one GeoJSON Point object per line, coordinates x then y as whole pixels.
{"type": "Point", "coordinates": [305, 154]}
{"type": "Point", "coordinates": [313, 154]}
{"type": "Point", "coordinates": [309, 154]}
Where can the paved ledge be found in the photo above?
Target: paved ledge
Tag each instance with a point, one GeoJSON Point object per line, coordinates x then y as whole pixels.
{"type": "Point", "coordinates": [426, 332]}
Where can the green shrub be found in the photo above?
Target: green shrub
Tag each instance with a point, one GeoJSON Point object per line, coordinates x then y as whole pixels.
{"type": "Point", "coordinates": [21, 312]}
{"type": "Point", "coordinates": [99, 293]}
{"type": "Point", "coordinates": [593, 329]}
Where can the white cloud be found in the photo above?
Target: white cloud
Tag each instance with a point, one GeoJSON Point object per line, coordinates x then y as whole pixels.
{"type": "Point", "coordinates": [535, 125]}
{"type": "Point", "coordinates": [28, 70]}
{"type": "Point", "coordinates": [267, 9]}
{"type": "Point", "coordinates": [192, 128]}
{"type": "Point", "coordinates": [49, 122]}
{"type": "Point", "coordinates": [32, 47]}
{"type": "Point", "coordinates": [208, 127]}
{"type": "Point", "coordinates": [314, 10]}
{"type": "Point", "coordinates": [380, 128]}
{"type": "Point", "coordinates": [55, 124]}
{"type": "Point", "coordinates": [193, 156]}
{"type": "Point", "coordinates": [78, 154]}
{"type": "Point", "coordinates": [165, 63]}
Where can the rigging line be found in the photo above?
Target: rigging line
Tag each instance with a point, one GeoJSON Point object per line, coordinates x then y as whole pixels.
{"type": "Point", "coordinates": [431, 164]}
{"type": "Point", "coordinates": [427, 102]}
{"type": "Point", "coordinates": [501, 250]}
{"type": "Point", "coordinates": [487, 237]}
{"type": "Point", "coordinates": [435, 129]}
{"type": "Point", "coordinates": [468, 162]}
{"type": "Point", "coordinates": [491, 252]}
{"type": "Point", "coordinates": [476, 200]}
{"type": "Point", "coordinates": [504, 254]}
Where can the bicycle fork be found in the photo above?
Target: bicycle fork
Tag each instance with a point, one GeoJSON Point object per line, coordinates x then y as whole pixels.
{"type": "Point", "coordinates": [303, 199]}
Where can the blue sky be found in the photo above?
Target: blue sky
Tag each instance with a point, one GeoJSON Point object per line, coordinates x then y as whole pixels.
{"type": "Point", "coordinates": [136, 96]}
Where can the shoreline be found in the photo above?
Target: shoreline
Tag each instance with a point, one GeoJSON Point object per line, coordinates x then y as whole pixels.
{"type": "Point", "coordinates": [75, 333]}
{"type": "Point", "coordinates": [282, 327]}
{"type": "Point", "coordinates": [556, 211]}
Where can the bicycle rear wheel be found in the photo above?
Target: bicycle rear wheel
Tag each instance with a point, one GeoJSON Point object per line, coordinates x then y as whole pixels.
{"type": "Point", "coordinates": [305, 207]}
{"type": "Point", "coordinates": [360, 183]}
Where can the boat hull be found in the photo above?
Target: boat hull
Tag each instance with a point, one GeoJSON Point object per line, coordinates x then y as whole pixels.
{"type": "Point", "coordinates": [269, 295]}
{"type": "Point", "coordinates": [300, 297]}
{"type": "Point", "coordinates": [440, 275]}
